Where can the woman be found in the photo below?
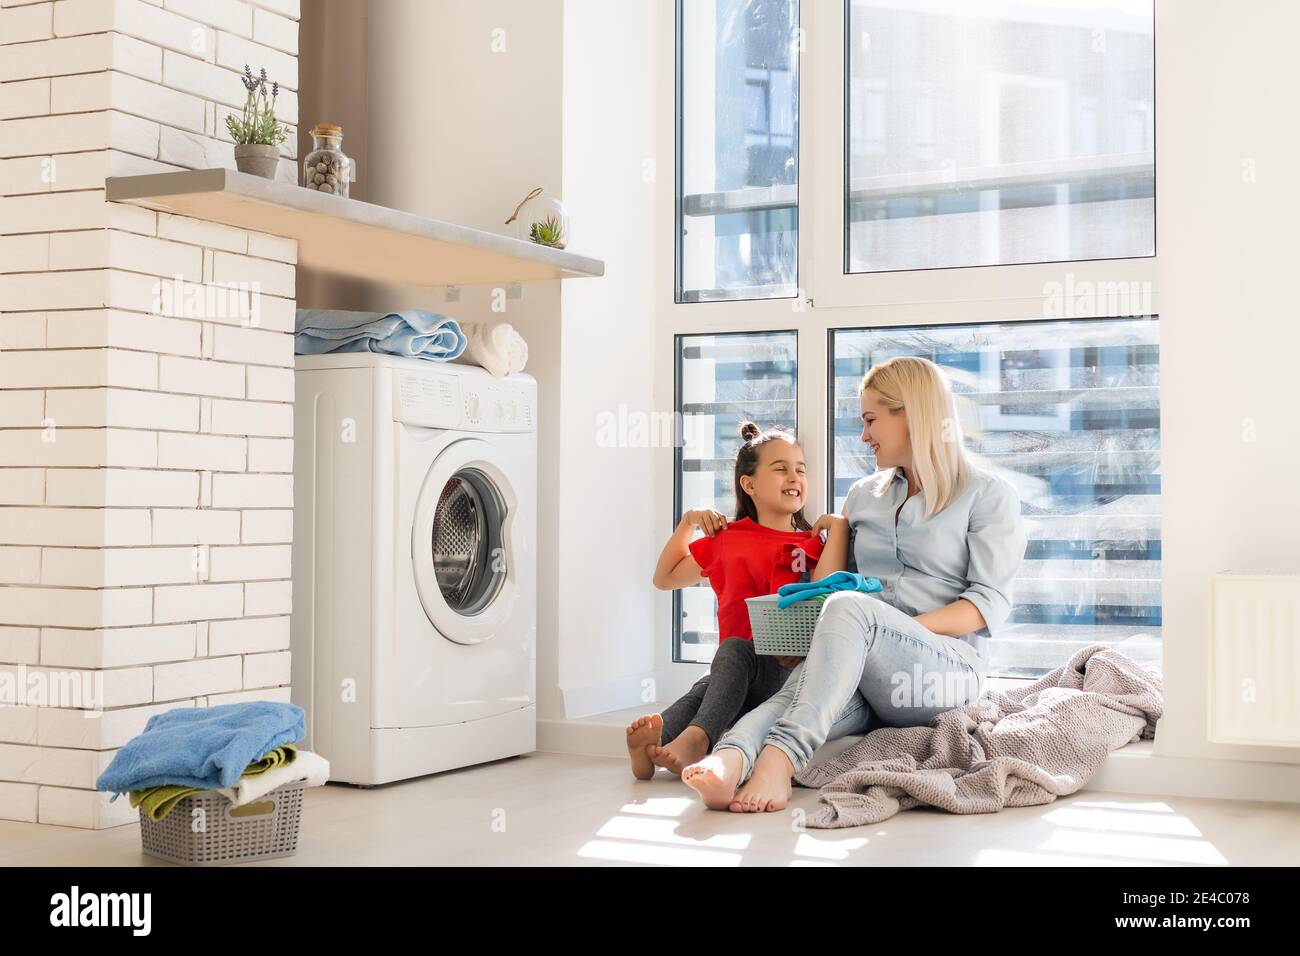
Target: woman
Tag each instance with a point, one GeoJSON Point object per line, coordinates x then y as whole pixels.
{"type": "Point", "coordinates": [945, 539]}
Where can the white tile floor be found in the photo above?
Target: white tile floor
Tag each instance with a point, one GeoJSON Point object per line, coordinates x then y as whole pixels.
{"type": "Point", "coordinates": [563, 810]}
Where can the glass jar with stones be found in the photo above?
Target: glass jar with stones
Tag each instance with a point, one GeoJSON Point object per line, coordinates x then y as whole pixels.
{"type": "Point", "coordinates": [326, 168]}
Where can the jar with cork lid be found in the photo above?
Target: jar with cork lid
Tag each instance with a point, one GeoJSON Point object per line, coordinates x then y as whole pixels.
{"type": "Point", "coordinates": [326, 168]}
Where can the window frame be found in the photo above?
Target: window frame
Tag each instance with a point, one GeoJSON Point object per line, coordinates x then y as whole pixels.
{"type": "Point", "coordinates": [823, 215]}
{"type": "Point", "coordinates": [828, 299]}
{"type": "Point", "coordinates": [679, 193]}
{"type": "Point", "coordinates": [678, 504]}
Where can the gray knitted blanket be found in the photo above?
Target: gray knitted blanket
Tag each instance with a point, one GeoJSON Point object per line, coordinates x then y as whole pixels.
{"type": "Point", "coordinates": [1018, 748]}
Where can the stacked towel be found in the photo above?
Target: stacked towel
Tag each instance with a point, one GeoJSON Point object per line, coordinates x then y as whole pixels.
{"type": "Point", "coordinates": [495, 346]}
{"type": "Point", "coordinates": [203, 747]}
{"type": "Point", "coordinates": [283, 765]}
{"type": "Point", "coordinates": [839, 581]}
{"type": "Point", "coordinates": [157, 802]}
{"type": "Point", "coordinates": [411, 333]}
{"type": "Point", "coordinates": [307, 766]}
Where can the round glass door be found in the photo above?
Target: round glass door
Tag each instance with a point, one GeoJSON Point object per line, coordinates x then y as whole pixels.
{"type": "Point", "coordinates": [466, 544]}
{"type": "Point", "coordinates": [464, 541]}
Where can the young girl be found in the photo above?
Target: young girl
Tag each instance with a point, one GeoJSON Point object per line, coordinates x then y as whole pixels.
{"type": "Point", "coordinates": [769, 544]}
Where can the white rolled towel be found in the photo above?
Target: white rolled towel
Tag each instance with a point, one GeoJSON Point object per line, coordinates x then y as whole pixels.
{"type": "Point", "coordinates": [306, 766]}
{"type": "Point", "coordinates": [496, 346]}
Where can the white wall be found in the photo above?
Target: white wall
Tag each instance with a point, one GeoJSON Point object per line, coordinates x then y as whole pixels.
{"type": "Point", "coordinates": [1227, 201]}
{"type": "Point", "coordinates": [608, 533]}
{"type": "Point", "coordinates": [471, 105]}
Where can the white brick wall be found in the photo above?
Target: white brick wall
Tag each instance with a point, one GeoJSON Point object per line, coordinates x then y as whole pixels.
{"type": "Point", "coordinates": [146, 447]}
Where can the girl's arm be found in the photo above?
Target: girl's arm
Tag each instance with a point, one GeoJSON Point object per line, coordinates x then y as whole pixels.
{"type": "Point", "coordinates": [835, 555]}
{"type": "Point", "coordinates": [676, 568]}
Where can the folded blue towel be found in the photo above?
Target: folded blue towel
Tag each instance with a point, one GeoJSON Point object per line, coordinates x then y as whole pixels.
{"type": "Point", "coordinates": [788, 594]}
{"type": "Point", "coordinates": [205, 747]}
{"type": "Point", "coordinates": [411, 333]}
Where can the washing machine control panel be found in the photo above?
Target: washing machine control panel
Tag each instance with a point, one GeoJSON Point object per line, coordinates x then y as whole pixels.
{"type": "Point", "coordinates": [442, 400]}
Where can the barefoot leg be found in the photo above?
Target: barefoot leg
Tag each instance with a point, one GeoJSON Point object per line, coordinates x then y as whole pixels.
{"type": "Point", "coordinates": [715, 777]}
{"type": "Point", "coordinates": [642, 734]}
{"type": "Point", "coordinates": [691, 745]}
{"type": "Point", "coordinates": [768, 787]}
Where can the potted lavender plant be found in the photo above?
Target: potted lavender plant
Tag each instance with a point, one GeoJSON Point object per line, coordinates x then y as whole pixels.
{"type": "Point", "coordinates": [257, 133]}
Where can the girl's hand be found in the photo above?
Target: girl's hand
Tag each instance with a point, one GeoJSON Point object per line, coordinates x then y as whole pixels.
{"type": "Point", "coordinates": [706, 519]}
{"type": "Point", "coordinates": [789, 662]}
{"type": "Point", "coordinates": [828, 523]}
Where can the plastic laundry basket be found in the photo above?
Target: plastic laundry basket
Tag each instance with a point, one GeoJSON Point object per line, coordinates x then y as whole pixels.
{"type": "Point", "coordinates": [262, 830]}
{"type": "Point", "coordinates": [783, 631]}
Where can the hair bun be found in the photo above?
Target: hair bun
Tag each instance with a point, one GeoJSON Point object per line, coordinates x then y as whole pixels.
{"type": "Point", "coordinates": [749, 431]}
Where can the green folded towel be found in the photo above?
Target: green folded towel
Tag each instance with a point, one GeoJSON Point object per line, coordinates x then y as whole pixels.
{"type": "Point", "coordinates": [157, 802]}
{"type": "Point", "coordinates": [280, 756]}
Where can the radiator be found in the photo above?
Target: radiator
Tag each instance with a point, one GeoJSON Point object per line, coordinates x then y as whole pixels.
{"type": "Point", "coordinates": [1254, 665]}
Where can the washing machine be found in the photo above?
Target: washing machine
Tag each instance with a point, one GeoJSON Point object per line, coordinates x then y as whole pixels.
{"type": "Point", "coordinates": [414, 564]}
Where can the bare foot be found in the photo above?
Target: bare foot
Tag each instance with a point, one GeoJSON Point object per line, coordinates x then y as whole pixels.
{"type": "Point", "coordinates": [691, 744]}
{"type": "Point", "coordinates": [768, 787]}
{"type": "Point", "coordinates": [642, 734]}
{"type": "Point", "coordinates": [715, 777]}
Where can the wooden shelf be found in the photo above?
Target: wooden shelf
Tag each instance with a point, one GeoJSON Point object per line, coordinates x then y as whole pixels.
{"type": "Point", "coordinates": [349, 237]}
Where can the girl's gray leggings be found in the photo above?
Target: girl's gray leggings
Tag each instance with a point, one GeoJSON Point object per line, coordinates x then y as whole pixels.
{"type": "Point", "coordinates": [738, 681]}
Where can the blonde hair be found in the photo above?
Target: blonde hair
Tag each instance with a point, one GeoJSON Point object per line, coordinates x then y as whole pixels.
{"type": "Point", "coordinates": [939, 458]}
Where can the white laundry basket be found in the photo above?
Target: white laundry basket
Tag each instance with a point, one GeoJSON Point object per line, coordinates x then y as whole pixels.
{"type": "Point", "coordinates": [783, 631]}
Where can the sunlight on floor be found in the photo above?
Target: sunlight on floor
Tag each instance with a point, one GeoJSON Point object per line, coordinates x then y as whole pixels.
{"type": "Point", "coordinates": [645, 831]}
{"type": "Point", "coordinates": [1100, 830]}
{"type": "Point", "coordinates": [809, 845]}
{"type": "Point", "coordinates": [664, 856]}
{"type": "Point", "coordinates": [1128, 847]}
{"type": "Point", "coordinates": [1122, 820]}
{"type": "Point", "coordinates": [659, 806]}
{"type": "Point", "coordinates": [1108, 831]}
{"type": "Point", "coordinates": [663, 831]}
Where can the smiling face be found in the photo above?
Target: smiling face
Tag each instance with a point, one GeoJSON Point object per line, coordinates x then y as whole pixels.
{"type": "Point", "coordinates": [779, 483]}
{"type": "Point", "coordinates": [885, 430]}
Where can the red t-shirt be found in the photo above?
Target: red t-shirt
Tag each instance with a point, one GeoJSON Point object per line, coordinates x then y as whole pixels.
{"type": "Point", "coordinates": [745, 560]}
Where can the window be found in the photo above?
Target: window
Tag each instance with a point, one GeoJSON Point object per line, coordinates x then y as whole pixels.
{"type": "Point", "coordinates": [737, 149]}
{"type": "Point", "coordinates": [983, 133]}
{"type": "Point", "coordinates": [1069, 411]}
{"type": "Point", "coordinates": [974, 133]}
{"type": "Point", "coordinates": [722, 380]}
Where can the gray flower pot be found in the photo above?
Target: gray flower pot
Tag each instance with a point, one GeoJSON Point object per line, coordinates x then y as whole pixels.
{"type": "Point", "coordinates": [258, 159]}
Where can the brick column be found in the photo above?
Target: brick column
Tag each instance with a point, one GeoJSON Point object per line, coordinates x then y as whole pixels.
{"type": "Point", "coordinates": [145, 420]}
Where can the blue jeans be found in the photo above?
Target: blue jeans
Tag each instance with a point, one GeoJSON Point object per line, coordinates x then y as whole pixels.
{"type": "Point", "coordinates": [870, 665]}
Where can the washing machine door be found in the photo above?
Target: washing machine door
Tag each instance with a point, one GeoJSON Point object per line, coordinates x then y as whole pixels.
{"type": "Point", "coordinates": [463, 542]}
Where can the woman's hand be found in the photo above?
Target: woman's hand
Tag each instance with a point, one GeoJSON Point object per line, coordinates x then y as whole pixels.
{"type": "Point", "coordinates": [706, 519]}
{"type": "Point", "coordinates": [829, 523]}
{"type": "Point", "coordinates": [789, 662]}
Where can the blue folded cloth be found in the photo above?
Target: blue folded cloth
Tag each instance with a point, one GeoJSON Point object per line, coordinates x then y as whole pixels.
{"type": "Point", "coordinates": [788, 594]}
{"type": "Point", "coordinates": [204, 747]}
{"type": "Point", "coordinates": [411, 332]}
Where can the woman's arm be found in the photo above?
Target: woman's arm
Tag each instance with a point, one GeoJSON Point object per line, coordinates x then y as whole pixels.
{"type": "Point", "coordinates": [995, 540]}
{"type": "Point", "coordinates": [676, 567]}
{"type": "Point", "coordinates": [952, 620]}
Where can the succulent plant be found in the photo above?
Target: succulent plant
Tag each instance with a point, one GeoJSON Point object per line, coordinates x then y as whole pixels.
{"type": "Point", "coordinates": [548, 232]}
